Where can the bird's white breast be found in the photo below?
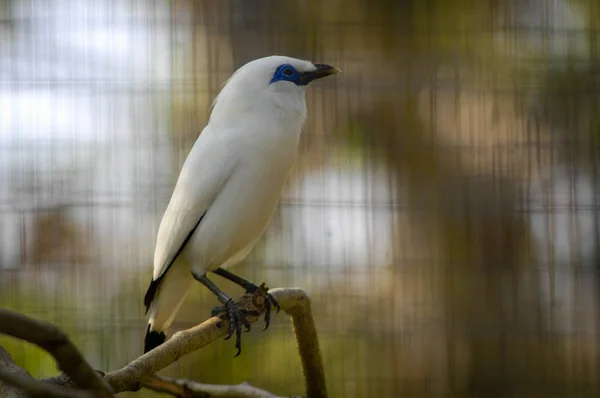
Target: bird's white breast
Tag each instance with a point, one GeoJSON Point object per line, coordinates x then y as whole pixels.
{"type": "Point", "coordinates": [264, 146]}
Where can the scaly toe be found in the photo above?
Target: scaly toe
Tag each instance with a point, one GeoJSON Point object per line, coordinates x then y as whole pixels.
{"type": "Point", "coordinates": [267, 314]}
{"type": "Point", "coordinates": [270, 297]}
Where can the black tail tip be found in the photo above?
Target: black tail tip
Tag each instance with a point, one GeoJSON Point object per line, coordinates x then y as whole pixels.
{"type": "Point", "coordinates": [153, 339]}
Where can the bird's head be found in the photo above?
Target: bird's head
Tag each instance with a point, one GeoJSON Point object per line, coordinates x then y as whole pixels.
{"type": "Point", "coordinates": [275, 80]}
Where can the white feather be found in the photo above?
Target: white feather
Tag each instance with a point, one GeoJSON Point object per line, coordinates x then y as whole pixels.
{"type": "Point", "coordinates": [202, 176]}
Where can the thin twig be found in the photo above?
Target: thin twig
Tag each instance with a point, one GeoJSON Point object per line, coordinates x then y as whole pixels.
{"type": "Point", "coordinates": [56, 343]}
{"type": "Point", "coordinates": [190, 389]}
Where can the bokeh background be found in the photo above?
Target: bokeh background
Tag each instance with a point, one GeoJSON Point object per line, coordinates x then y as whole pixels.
{"type": "Point", "coordinates": [443, 212]}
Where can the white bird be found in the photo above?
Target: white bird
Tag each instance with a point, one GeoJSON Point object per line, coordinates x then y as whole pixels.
{"type": "Point", "coordinates": [229, 187]}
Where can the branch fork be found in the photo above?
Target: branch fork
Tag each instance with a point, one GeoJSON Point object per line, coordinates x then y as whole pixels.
{"type": "Point", "coordinates": [80, 380]}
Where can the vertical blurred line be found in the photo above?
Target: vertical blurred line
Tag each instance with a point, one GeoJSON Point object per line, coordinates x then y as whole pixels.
{"type": "Point", "coordinates": [6, 27]}
{"type": "Point", "coordinates": [206, 25]}
{"type": "Point", "coordinates": [594, 24]}
{"type": "Point", "coordinates": [46, 87]}
{"type": "Point", "coordinates": [314, 45]}
{"type": "Point", "coordinates": [275, 29]}
{"type": "Point", "coordinates": [182, 48]}
{"type": "Point", "coordinates": [546, 62]}
{"type": "Point", "coordinates": [8, 73]}
{"type": "Point", "coordinates": [210, 21]}
{"type": "Point", "coordinates": [157, 106]}
{"type": "Point", "coordinates": [138, 146]}
{"type": "Point", "coordinates": [270, 22]}
{"type": "Point", "coordinates": [543, 59]}
{"type": "Point", "coordinates": [20, 84]}
{"type": "Point", "coordinates": [305, 139]}
{"type": "Point", "coordinates": [594, 31]}
{"type": "Point", "coordinates": [497, 177]}
{"type": "Point", "coordinates": [198, 8]}
{"type": "Point", "coordinates": [546, 23]}
{"type": "Point", "coordinates": [152, 28]}
{"type": "Point", "coordinates": [95, 89]}
{"type": "Point", "coordinates": [575, 175]}
{"type": "Point", "coordinates": [91, 85]}
{"type": "Point", "coordinates": [449, 270]}
{"type": "Point", "coordinates": [246, 43]}
{"type": "Point", "coordinates": [13, 143]}
{"type": "Point", "coordinates": [575, 255]}
{"type": "Point", "coordinates": [149, 90]}
{"type": "Point", "coordinates": [109, 90]}
{"type": "Point", "coordinates": [175, 84]}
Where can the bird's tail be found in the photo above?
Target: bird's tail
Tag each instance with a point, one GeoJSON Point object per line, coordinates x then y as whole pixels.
{"type": "Point", "coordinates": [153, 339]}
{"type": "Point", "coordinates": [170, 293]}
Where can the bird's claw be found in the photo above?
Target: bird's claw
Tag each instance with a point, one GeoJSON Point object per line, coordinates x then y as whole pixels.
{"type": "Point", "coordinates": [237, 318]}
{"type": "Point", "coordinates": [269, 303]}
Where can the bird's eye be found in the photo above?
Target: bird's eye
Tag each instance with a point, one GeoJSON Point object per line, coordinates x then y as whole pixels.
{"type": "Point", "coordinates": [288, 72]}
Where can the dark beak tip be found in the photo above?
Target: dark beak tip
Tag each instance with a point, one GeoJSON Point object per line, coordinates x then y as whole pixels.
{"type": "Point", "coordinates": [321, 71]}
{"type": "Point", "coordinates": [331, 70]}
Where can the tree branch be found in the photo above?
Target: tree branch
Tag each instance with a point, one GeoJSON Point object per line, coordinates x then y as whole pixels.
{"type": "Point", "coordinates": [299, 309]}
{"type": "Point", "coordinates": [18, 383]}
{"type": "Point", "coordinates": [190, 389]}
{"type": "Point", "coordinates": [140, 372]}
{"type": "Point", "coordinates": [56, 343]}
{"type": "Point", "coordinates": [8, 372]}
{"type": "Point", "coordinates": [182, 343]}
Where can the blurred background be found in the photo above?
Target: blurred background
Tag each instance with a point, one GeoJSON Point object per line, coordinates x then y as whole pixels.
{"type": "Point", "coordinates": [443, 212]}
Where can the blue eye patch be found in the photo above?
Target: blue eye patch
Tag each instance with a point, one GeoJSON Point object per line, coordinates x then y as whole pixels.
{"type": "Point", "coordinates": [286, 72]}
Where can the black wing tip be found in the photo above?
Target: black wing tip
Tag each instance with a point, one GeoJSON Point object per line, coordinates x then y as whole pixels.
{"type": "Point", "coordinates": [153, 288]}
{"type": "Point", "coordinates": [151, 293]}
{"type": "Point", "coordinates": [153, 339]}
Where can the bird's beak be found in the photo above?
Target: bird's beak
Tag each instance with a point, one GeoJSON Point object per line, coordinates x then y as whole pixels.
{"type": "Point", "coordinates": [321, 71]}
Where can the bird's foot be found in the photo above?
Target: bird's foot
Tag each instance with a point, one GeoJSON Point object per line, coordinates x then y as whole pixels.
{"type": "Point", "coordinates": [269, 303]}
{"type": "Point", "coordinates": [237, 318]}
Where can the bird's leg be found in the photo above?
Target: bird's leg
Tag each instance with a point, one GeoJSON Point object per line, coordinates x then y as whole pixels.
{"type": "Point", "coordinates": [250, 288]}
{"type": "Point", "coordinates": [237, 317]}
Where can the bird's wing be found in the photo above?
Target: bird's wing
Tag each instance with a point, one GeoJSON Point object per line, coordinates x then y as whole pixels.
{"type": "Point", "coordinates": [202, 176]}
